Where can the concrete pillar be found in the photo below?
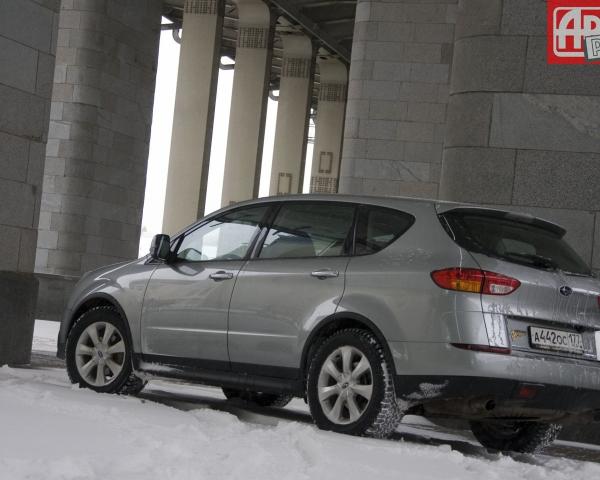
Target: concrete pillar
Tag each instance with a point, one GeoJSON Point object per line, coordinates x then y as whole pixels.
{"type": "Point", "coordinates": [329, 126]}
{"type": "Point", "coordinates": [293, 112]}
{"type": "Point", "coordinates": [248, 102]}
{"type": "Point", "coordinates": [522, 134]}
{"type": "Point", "coordinates": [194, 112]}
{"type": "Point", "coordinates": [397, 97]}
{"type": "Point", "coordinates": [27, 44]}
{"type": "Point", "coordinates": [97, 152]}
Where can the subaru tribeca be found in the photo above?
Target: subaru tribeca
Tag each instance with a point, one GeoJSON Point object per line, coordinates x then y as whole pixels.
{"type": "Point", "coordinates": [369, 308]}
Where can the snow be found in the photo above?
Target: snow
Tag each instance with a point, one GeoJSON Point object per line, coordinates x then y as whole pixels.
{"type": "Point", "coordinates": [52, 430]}
{"type": "Point", "coordinates": [45, 334]}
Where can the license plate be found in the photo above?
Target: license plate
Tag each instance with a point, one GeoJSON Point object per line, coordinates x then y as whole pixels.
{"type": "Point", "coordinates": [558, 340]}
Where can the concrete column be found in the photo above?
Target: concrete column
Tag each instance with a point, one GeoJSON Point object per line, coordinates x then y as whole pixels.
{"type": "Point", "coordinates": [397, 97]}
{"type": "Point", "coordinates": [96, 158]}
{"type": "Point", "coordinates": [27, 53]}
{"type": "Point", "coordinates": [248, 102]}
{"type": "Point", "coordinates": [293, 112]}
{"type": "Point", "coordinates": [194, 112]}
{"type": "Point", "coordinates": [522, 134]}
{"type": "Point", "coordinates": [329, 126]}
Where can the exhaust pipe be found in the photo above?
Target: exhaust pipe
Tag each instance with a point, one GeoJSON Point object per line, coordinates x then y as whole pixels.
{"type": "Point", "coordinates": [480, 405]}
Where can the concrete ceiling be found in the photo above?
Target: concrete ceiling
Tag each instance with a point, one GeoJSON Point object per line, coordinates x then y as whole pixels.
{"type": "Point", "coordinates": [330, 23]}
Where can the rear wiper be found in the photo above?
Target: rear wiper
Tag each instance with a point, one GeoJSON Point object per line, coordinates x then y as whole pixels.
{"type": "Point", "coordinates": [536, 260]}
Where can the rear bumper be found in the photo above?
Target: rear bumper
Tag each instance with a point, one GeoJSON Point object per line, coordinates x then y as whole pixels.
{"type": "Point", "coordinates": [502, 392]}
{"type": "Point", "coordinates": [438, 371]}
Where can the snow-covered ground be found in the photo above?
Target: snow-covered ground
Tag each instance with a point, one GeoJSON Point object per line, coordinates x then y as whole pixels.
{"type": "Point", "coordinates": [45, 334]}
{"type": "Point", "coordinates": [51, 430]}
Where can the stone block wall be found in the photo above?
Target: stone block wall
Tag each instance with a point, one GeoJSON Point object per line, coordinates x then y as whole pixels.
{"type": "Point", "coordinates": [27, 53]}
{"type": "Point", "coordinates": [99, 133]}
{"type": "Point", "coordinates": [465, 84]}
{"type": "Point", "coordinates": [522, 134]}
{"type": "Point", "coordinates": [397, 97]}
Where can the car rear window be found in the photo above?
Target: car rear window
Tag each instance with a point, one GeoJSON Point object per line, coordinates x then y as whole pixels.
{"type": "Point", "coordinates": [533, 243]}
{"type": "Point", "coordinates": [378, 227]}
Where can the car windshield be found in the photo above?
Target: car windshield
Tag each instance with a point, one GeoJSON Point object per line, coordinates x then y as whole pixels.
{"type": "Point", "coordinates": [534, 243]}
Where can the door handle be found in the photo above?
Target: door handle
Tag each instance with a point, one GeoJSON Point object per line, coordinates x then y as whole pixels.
{"type": "Point", "coordinates": [325, 273]}
{"type": "Point", "coordinates": [221, 275]}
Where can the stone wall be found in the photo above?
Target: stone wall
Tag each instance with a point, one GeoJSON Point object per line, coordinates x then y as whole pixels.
{"type": "Point", "coordinates": [522, 134]}
{"type": "Point", "coordinates": [468, 81]}
{"type": "Point", "coordinates": [27, 52]}
{"type": "Point", "coordinates": [97, 151]}
{"type": "Point", "coordinates": [397, 97]}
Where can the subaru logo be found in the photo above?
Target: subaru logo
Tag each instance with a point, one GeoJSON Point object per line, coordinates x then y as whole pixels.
{"type": "Point", "coordinates": [566, 291]}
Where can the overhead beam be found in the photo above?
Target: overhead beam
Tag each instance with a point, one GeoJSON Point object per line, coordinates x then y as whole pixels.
{"type": "Point", "coordinates": [327, 3]}
{"type": "Point", "coordinates": [336, 21]}
{"type": "Point", "coordinates": [292, 10]}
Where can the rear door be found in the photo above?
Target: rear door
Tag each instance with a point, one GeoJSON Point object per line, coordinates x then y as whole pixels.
{"type": "Point", "coordinates": [296, 280]}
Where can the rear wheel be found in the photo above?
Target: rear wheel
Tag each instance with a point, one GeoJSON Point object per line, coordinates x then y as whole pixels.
{"type": "Point", "coordinates": [524, 437]}
{"type": "Point", "coordinates": [259, 398]}
{"type": "Point", "coordinates": [350, 386]}
{"type": "Point", "coordinates": [98, 353]}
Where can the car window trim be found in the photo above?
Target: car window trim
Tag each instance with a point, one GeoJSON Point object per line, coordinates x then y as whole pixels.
{"type": "Point", "coordinates": [264, 230]}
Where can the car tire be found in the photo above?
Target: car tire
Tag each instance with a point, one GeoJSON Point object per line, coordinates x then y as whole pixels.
{"type": "Point", "coordinates": [522, 437]}
{"type": "Point", "coordinates": [258, 398]}
{"type": "Point", "coordinates": [350, 386]}
{"type": "Point", "coordinates": [99, 363]}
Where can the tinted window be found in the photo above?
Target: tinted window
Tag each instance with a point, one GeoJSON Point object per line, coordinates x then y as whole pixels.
{"type": "Point", "coordinates": [378, 227]}
{"type": "Point", "coordinates": [533, 243]}
{"type": "Point", "coordinates": [309, 230]}
{"type": "Point", "coordinates": [227, 237]}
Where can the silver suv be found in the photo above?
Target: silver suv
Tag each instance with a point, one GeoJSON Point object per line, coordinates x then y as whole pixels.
{"type": "Point", "coordinates": [367, 307]}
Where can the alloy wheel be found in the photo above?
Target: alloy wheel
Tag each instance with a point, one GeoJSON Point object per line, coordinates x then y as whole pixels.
{"type": "Point", "coordinates": [345, 385]}
{"type": "Point", "coordinates": [100, 354]}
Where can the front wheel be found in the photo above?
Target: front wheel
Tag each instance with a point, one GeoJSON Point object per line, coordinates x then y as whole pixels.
{"type": "Point", "coordinates": [98, 353]}
{"type": "Point", "coordinates": [350, 386]}
{"type": "Point", "coordinates": [523, 437]}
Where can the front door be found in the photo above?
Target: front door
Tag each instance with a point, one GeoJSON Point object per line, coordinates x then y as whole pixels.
{"type": "Point", "coordinates": [184, 315]}
{"type": "Point", "coordinates": [296, 280]}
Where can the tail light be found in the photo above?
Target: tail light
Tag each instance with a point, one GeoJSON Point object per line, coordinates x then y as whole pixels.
{"type": "Point", "coordinates": [474, 280]}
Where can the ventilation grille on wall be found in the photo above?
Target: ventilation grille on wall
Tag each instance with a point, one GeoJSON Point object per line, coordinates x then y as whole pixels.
{"type": "Point", "coordinates": [323, 185]}
{"type": "Point", "coordinates": [206, 7]}
{"type": "Point", "coordinates": [296, 67]}
{"type": "Point", "coordinates": [253, 37]}
{"type": "Point", "coordinates": [333, 92]}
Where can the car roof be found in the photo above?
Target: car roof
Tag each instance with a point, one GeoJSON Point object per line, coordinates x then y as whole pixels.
{"type": "Point", "coordinates": [441, 206]}
{"type": "Point", "coordinates": [333, 197]}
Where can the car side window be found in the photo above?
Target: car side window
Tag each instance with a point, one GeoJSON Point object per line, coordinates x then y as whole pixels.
{"type": "Point", "coordinates": [309, 230]}
{"type": "Point", "coordinates": [378, 227]}
{"type": "Point", "coordinates": [227, 237]}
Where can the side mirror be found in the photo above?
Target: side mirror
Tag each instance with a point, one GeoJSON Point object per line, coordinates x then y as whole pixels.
{"type": "Point", "coordinates": [160, 247]}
